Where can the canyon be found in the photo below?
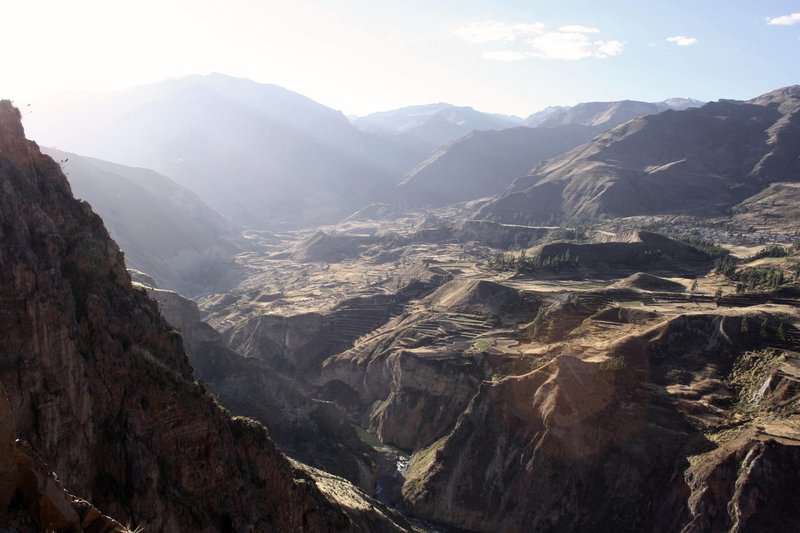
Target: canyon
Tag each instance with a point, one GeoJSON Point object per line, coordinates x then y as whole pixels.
{"type": "Point", "coordinates": [587, 324]}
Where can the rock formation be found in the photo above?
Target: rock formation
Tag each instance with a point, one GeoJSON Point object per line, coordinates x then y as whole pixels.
{"type": "Point", "coordinates": [101, 390]}
{"type": "Point", "coordinates": [644, 439]}
{"type": "Point", "coordinates": [312, 431]}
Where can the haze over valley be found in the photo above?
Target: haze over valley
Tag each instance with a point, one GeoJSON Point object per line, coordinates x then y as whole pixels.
{"type": "Point", "coordinates": [518, 282]}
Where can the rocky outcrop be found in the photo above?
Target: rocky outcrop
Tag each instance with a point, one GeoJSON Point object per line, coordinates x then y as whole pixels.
{"type": "Point", "coordinates": [296, 345]}
{"type": "Point", "coordinates": [647, 252]}
{"type": "Point", "coordinates": [410, 380]}
{"type": "Point", "coordinates": [31, 497]}
{"type": "Point", "coordinates": [312, 431]}
{"type": "Point", "coordinates": [646, 438]}
{"type": "Point", "coordinates": [100, 386]}
{"type": "Point", "coordinates": [740, 486]}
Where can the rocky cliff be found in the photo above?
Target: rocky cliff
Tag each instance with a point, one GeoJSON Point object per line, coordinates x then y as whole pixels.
{"type": "Point", "coordinates": [101, 390]}
{"type": "Point", "coordinates": [309, 430]}
{"type": "Point", "coordinates": [691, 425]}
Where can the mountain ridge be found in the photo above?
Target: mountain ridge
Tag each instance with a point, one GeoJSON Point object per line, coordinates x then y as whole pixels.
{"type": "Point", "coordinates": [163, 228]}
{"type": "Point", "coordinates": [221, 136]}
{"type": "Point", "coordinates": [699, 160]}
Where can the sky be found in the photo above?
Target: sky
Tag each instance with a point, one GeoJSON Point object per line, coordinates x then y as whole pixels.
{"type": "Point", "coordinates": [362, 56]}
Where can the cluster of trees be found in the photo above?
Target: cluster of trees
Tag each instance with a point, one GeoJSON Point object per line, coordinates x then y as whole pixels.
{"type": "Point", "coordinates": [521, 263]}
{"type": "Point", "coordinates": [707, 247]}
{"type": "Point", "coordinates": [726, 266]}
{"type": "Point", "coordinates": [774, 250]}
{"type": "Point", "coordinates": [752, 278]}
{"type": "Point", "coordinates": [748, 279]}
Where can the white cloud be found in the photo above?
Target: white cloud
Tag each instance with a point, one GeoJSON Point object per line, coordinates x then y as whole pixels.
{"type": "Point", "coordinates": [504, 55]}
{"type": "Point", "coordinates": [682, 40]}
{"type": "Point", "coordinates": [493, 31]}
{"type": "Point", "coordinates": [608, 48]}
{"type": "Point", "coordinates": [571, 42]}
{"type": "Point", "coordinates": [785, 20]}
{"type": "Point", "coordinates": [577, 28]}
{"type": "Point", "coordinates": [572, 46]}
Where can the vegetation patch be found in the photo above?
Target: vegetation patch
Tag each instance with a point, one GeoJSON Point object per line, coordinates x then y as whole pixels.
{"type": "Point", "coordinates": [709, 248]}
{"type": "Point", "coordinates": [775, 250]}
{"type": "Point", "coordinates": [613, 364]}
{"type": "Point", "coordinates": [481, 345]}
{"type": "Point", "coordinates": [748, 374]}
{"type": "Point", "coordinates": [368, 438]}
{"type": "Point", "coordinates": [588, 285]}
{"type": "Point", "coordinates": [421, 463]}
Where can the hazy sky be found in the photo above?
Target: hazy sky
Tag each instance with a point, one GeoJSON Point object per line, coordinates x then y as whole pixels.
{"type": "Point", "coordinates": [510, 56]}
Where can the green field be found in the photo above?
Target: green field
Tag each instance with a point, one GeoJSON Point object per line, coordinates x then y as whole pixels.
{"type": "Point", "coordinates": [481, 345]}
{"type": "Point", "coordinates": [632, 303]}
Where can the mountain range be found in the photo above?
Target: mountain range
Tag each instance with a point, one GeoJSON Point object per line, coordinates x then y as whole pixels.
{"type": "Point", "coordinates": [484, 163]}
{"type": "Point", "coordinates": [266, 157]}
{"type": "Point", "coordinates": [257, 153]}
{"type": "Point", "coordinates": [699, 161]}
{"type": "Point", "coordinates": [432, 125]}
{"type": "Point", "coordinates": [605, 114]}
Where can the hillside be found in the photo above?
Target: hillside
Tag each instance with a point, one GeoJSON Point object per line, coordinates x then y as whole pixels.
{"type": "Point", "coordinates": [604, 115]}
{"type": "Point", "coordinates": [777, 206]}
{"type": "Point", "coordinates": [484, 163]}
{"type": "Point", "coordinates": [432, 125]}
{"type": "Point", "coordinates": [257, 153]}
{"type": "Point", "coordinates": [101, 391]}
{"type": "Point", "coordinates": [163, 228]}
{"type": "Point", "coordinates": [698, 161]}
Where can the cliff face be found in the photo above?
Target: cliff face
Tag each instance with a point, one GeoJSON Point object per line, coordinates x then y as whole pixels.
{"type": "Point", "coordinates": [312, 431]}
{"type": "Point", "coordinates": [679, 429]}
{"type": "Point", "coordinates": [101, 389]}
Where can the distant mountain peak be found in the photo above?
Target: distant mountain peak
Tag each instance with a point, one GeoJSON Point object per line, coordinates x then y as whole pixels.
{"type": "Point", "coordinates": [778, 96]}
{"type": "Point", "coordinates": [605, 114]}
{"type": "Point", "coordinates": [697, 161]}
{"type": "Point", "coordinates": [433, 125]}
